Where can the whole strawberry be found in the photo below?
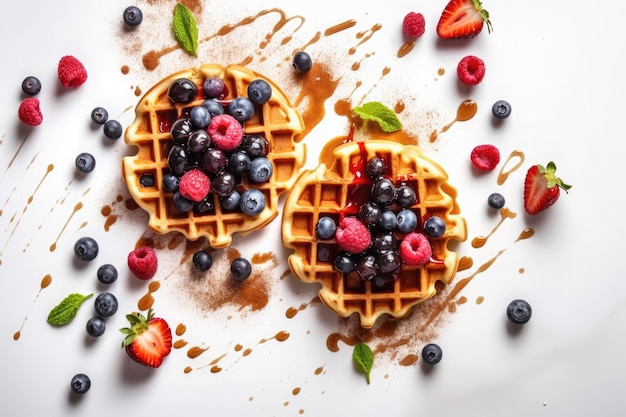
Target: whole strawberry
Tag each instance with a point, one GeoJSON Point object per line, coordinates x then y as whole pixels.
{"type": "Point", "coordinates": [148, 340]}
{"type": "Point", "coordinates": [542, 188]}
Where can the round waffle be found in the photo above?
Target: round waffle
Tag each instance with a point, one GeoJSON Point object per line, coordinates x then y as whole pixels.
{"type": "Point", "coordinates": [277, 120]}
{"type": "Point", "coordinates": [328, 190]}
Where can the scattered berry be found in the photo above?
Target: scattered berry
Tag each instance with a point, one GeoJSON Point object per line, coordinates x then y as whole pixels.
{"type": "Point", "coordinates": [259, 91]}
{"type": "Point", "coordinates": [240, 268]}
{"type": "Point", "coordinates": [182, 90]}
{"type": "Point", "coordinates": [496, 201]}
{"type": "Point", "coordinates": [260, 170]}
{"type": "Point", "coordinates": [105, 304]}
{"type": "Point", "coordinates": [132, 16]}
{"type": "Point", "coordinates": [325, 228]}
{"type": "Point", "coordinates": [202, 260]}
{"type": "Point", "coordinates": [107, 274]}
{"type": "Point", "coordinates": [148, 340]}
{"type": "Point", "coordinates": [86, 249]}
{"type": "Point", "coordinates": [113, 129]}
{"type": "Point", "coordinates": [388, 220]}
{"type": "Point", "coordinates": [302, 61]}
{"type": "Point", "coordinates": [71, 71]}
{"type": "Point", "coordinates": [226, 132]}
{"type": "Point", "coordinates": [252, 202]}
{"type": "Point", "coordinates": [519, 311]}
{"type": "Point", "coordinates": [434, 226]}
{"type": "Point", "coordinates": [462, 19]}
{"type": "Point", "coordinates": [170, 182]}
{"type": "Point", "coordinates": [471, 70]}
{"type": "Point", "coordinates": [406, 221]}
{"type": "Point", "coordinates": [194, 185]}
{"type": "Point", "coordinates": [85, 162]}
{"type": "Point", "coordinates": [200, 117]}
{"type": "Point", "coordinates": [95, 326]}
{"type": "Point", "coordinates": [415, 249]}
{"type": "Point", "coordinates": [501, 109]}
{"type": "Point", "coordinates": [375, 167]}
{"type": "Point", "coordinates": [213, 87]}
{"type": "Point", "coordinates": [542, 188]}
{"type": "Point", "coordinates": [344, 263]}
{"type": "Point", "coordinates": [143, 262]}
{"type": "Point", "coordinates": [147, 180]}
{"type": "Point", "coordinates": [181, 203]}
{"type": "Point", "coordinates": [413, 25]}
{"type": "Point", "coordinates": [29, 112]}
{"type": "Point", "coordinates": [352, 235]}
{"type": "Point", "coordinates": [485, 157]}
{"type": "Point", "coordinates": [80, 383]}
{"type": "Point", "coordinates": [241, 108]}
{"type": "Point", "coordinates": [231, 201]}
{"type": "Point", "coordinates": [432, 353]}
{"type": "Point", "coordinates": [99, 115]}
{"type": "Point", "coordinates": [31, 86]}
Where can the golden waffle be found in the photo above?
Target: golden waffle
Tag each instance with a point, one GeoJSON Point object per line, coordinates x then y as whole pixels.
{"type": "Point", "coordinates": [279, 122]}
{"type": "Point", "coordinates": [326, 191]}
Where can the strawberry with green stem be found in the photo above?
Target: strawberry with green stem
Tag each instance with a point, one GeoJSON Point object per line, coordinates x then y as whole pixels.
{"type": "Point", "coordinates": [542, 188]}
{"type": "Point", "coordinates": [463, 19]}
{"type": "Point", "coordinates": [148, 339]}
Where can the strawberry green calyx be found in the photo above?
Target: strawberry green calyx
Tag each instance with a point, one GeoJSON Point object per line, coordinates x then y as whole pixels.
{"type": "Point", "coordinates": [138, 324]}
{"type": "Point", "coordinates": [549, 174]}
{"type": "Point", "coordinates": [484, 13]}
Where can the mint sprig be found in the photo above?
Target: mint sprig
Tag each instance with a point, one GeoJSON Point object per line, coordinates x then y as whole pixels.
{"type": "Point", "coordinates": [185, 29]}
{"type": "Point", "coordinates": [381, 114]}
{"type": "Point", "coordinates": [363, 358]}
{"type": "Point", "coordinates": [66, 310]}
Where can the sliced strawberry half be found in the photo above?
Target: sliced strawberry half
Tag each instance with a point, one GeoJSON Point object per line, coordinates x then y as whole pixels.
{"type": "Point", "coordinates": [462, 19]}
{"type": "Point", "coordinates": [542, 188]}
{"type": "Point", "coordinates": [148, 339]}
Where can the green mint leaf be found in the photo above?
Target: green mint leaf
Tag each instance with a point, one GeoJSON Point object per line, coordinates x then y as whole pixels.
{"type": "Point", "coordinates": [67, 309]}
{"type": "Point", "coordinates": [363, 358]}
{"type": "Point", "coordinates": [381, 114]}
{"type": "Point", "coordinates": [185, 29]}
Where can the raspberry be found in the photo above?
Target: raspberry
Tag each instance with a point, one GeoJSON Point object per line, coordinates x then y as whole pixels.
{"type": "Point", "coordinates": [415, 249]}
{"type": "Point", "coordinates": [485, 157]}
{"type": "Point", "coordinates": [71, 71]}
{"type": "Point", "coordinates": [225, 131]}
{"type": "Point", "coordinates": [29, 112]}
{"type": "Point", "coordinates": [194, 185]}
{"type": "Point", "coordinates": [413, 25]}
{"type": "Point", "coordinates": [471, 70]}
{"type": "Point", "coordinates": [353, 236]}
{"type": "Point", "coordinates": [143, 262]}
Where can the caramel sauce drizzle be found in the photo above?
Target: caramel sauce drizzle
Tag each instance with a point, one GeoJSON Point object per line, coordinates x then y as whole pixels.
{"type": "Point", "coordinates": [45, 282]}
{"type": "Point", "coordinates": [504, 175]}
{"type": "Point", "coordinates": [466, 110]}
{"type": "Point", "coordinates": [505, 213]}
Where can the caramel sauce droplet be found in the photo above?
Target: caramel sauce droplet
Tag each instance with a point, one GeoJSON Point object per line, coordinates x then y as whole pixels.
{"type": "Point", "coordinates": [503, 175]}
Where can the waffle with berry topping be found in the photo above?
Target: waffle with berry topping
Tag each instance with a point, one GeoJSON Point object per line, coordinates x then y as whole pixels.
{"type": "Point", "coordinates": [276, 120]}
{"type": "Point", "coordinates": [338, 188]}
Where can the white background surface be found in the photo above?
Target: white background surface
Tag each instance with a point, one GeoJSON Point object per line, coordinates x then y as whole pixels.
{"type": "Point", "coordinates": [559, 66]}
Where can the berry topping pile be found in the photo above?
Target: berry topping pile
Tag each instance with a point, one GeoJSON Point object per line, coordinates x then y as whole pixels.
{"type": "Point", "coordinates": [211, 159]}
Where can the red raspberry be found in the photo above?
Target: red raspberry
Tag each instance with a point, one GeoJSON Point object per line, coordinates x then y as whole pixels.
{"type": "Point", "coordinates": [72, 72]}
{"type": "Point", "coordinates": [485, 157]}
{"type": "Point", "coordinates": [29, 112]}
{"type": "Point", "coordinates": [225, 131]}
{"type": "Point", "coordinates": [471, 70]}
{"type": "Point", "coordinates": [143, 262]}
{"type": "Point", "coordinates": [415, 249]}
{"type": "Point", "coordinates": [413, 25]}
{"type": "Point", "coordinates": [352, 235]}
{"type": "Point", "coordinates": [194, 185]}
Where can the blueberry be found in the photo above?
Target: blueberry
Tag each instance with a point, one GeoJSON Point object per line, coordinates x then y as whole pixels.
{"type": "Point", "coordinates": [107, 274]}
{"type": "Point", "coordinates": [213, 87]}
{"type": "Point", "coordinates": [383, 191]}
{"type": "Point", "coordinates": [388, 221]}
{"type": "Point", "coordinates": [180, 130]}
{"type": "Point", "coordinates": [105, 304]}
{"type": "Point", "coordinates": [181, 203]}
{"type": "Point", "coordinates": [519, 311]}
{"type": "Point", "coordinates": [375, 167]}
{"type": "Point", "coordinates": [241, 108]}
{"type": "Point", "coordinates": [200, 116]}
{"type": "Point", "coordinates": [132, 16]}
{"type": "Point", "coordinates": [432, 354]}
{"type": "Point", "coordinates": [95, 326]}
{"type": "Point", "coordinates": [85, 162]}
{"type": "Point", "coordinates": [31, 86]}
{"type": "Point", "coordinates": [261, 170]}
{"type": "Point", "coordinates": [223, 184]}
{"type": "Point", "coordinates": [501, 109]}
{"type": "Point", "coordinates": [147, 179]}
{"type": "Point", "coordinates": [213, 160]}
{"type": "Point", "coordinates": [388, 261]}
{"type": "Point", "coordinates": [406, 221]}
{"type": "Point", "coordinates": [344, 263]}
{"type": "Point", "coordinates": [182, 90]}
{"type": "Point", "coordinates": [178, 161]}
{"type": "Point", "coordinates": [405, 196]}
{"type": "Point", "coordinates": [370, 213]}
{"type": "Point", "coordinates": [86, 249]}
{"type": "Point", "coordinates": [231, 201]}
{"type": "Point", "coordinates": [205, 205]}
{"type": "Point", "coordinates": [199, 141]}
{"type": "Point", "coordinates": [239, 162]}
{"type": "Point", "coordinates": [366, 267]}
{"type": "Point", "coordinates": [213, 106]}
{"type": "Point", "coordinates": [434, 226]}
{"type": "Point", "coordinates": [80, 383]}
{"type": "Point", "coordinates": [252, 202]}
{"type": "Point", "coordinates": [325, 228]}
{"type": "Point", "coordinates": [202, 260]}
{"type": "Point", "coordinates": [385, 242]}
{"type": "Point", "coordinates": [254, 145]}
{"type": "Point", "coordinates": [99, 115]}
{"type": "Point", "coordinates": [113, 129]}
{"type": "Point", "coordinates": [259, 91]}
{"type": "Point", "coordinates": [495, 200]}
{"type": "Point", "coordinates": [170, 182]}
{"type": "Point", "coordinates": [240, 269]}
{"type": "Point", "coordinates": [302, 61]}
